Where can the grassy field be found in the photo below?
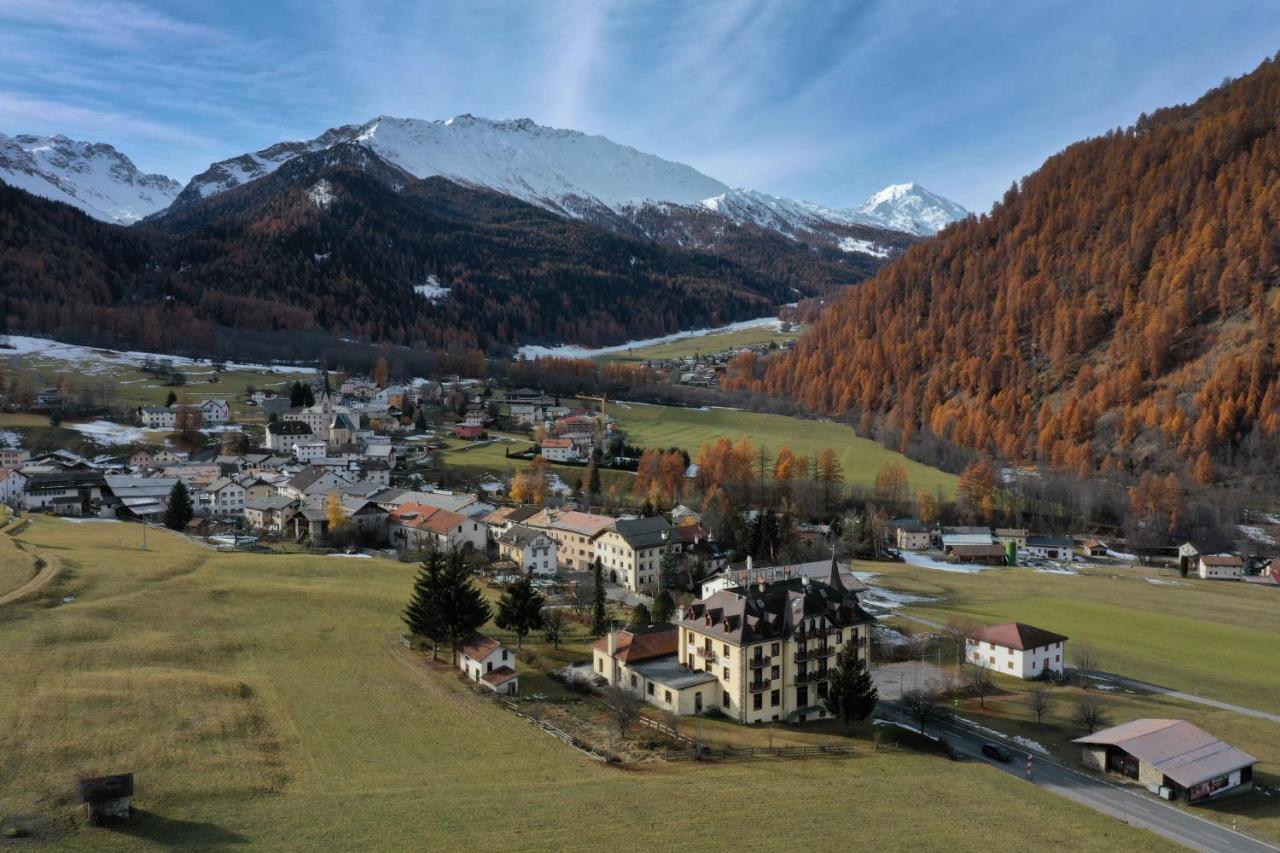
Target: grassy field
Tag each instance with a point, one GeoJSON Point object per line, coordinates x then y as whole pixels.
{"type": "Point", "coordinates": [666, 426]}
{"type": "Point", "coordinates": [492, 457]}
{"type": "Point", "coordinates": [264, 702]}
{"type": "Point", "coordinates": [16, 566]}
{"type": "Point", "coordinates": [707, 344]}
{"type": "Point", "coordinates": [1217, 639]}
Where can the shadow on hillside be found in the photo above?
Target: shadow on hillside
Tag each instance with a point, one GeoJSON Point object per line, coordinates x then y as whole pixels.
{"type": "Point", "coordinates": [172, 832]}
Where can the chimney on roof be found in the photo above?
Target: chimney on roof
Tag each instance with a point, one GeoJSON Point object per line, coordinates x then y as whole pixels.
{"type": "Point", "coordinates": [748, 564]}
{"type": "Point", "coordinates": [612, 642]}
{"type": "Point", "coordinates": [762, 583]}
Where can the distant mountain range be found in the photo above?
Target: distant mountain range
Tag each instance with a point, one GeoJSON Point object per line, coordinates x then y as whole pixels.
{"type": "Point", "coordinates": [564, 171]}
{"type": "Point", "coordinates": [523, 234]}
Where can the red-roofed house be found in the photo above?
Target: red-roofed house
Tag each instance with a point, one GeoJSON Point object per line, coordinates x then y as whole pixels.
{"type": "Point", "coordinates": [1013, 648]}
{"type": "Point", "coordinates": [488, 662]}
{"type": "Point", "coordinates": [470, 432]}
{"type": "Point", "coordinates": [419, 527]}
{"type": "Point", "coordinates": [558, 450]}
{"type": "Point", "coordinates": [1220, 567]}
{"type": "Point", "coordinates": [644, 661]}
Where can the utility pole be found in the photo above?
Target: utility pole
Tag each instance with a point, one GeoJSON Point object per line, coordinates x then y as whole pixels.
{"type": "Point", "coordinates": [144, 536]}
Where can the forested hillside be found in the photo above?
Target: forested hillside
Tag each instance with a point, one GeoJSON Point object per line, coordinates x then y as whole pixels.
{"type": "Point", "coordinates": [1118, 309]}
{"type": "Point", "coordinates": [343, 243]}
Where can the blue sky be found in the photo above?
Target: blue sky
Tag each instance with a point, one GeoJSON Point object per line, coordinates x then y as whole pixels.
{"type": "Point", "coordinates": [825, 101]}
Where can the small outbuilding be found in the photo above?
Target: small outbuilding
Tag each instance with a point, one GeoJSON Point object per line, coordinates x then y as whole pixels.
{"type": "Point", "coordinates": [107, 797]}
{"type": "Point", "coordinates": [1172, 758]}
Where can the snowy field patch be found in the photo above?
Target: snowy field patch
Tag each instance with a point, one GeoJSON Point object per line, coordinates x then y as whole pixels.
{"type": "Point", "coordinates": [866, 247]}
{"type": "Point", "coordinates": [914, 559]}
{"type": "Point", "coordinates": [576, 351]}
{"type": "Point", "coordinates": [93, 361]}
{"type": "Point", "coordinates": [1257, 534]}
{"type": "Point", "coordinates": [108, 432]}
{"type": "Point", "coordinates": [432, 291]}
{"type": "Point", "coordinates": [9, 438]}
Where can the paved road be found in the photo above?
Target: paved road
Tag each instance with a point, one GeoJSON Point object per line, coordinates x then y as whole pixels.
{"type": "Point", "coordinates": [1133, 683]}
{"type": "Point", "coordinates": [1134, 807]}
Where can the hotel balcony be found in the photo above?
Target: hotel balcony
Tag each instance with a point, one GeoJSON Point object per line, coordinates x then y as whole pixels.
{"type": "Point", "coordinates": [810, 677]}
{"type": "Point", "coordinates": [706, 654]}
{"type": "Point", "coordinates": [758, 686]}
{"type": "Point", "coordinates": [814, 654]}
{"type": "Point", "coordinates": [760, 662]}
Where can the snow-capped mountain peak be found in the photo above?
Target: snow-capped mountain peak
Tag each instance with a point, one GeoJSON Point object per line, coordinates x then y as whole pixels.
{"type": "Point", "coordinates": [909, 207]}
{"type": "Point", "coordinates": [91, 176]}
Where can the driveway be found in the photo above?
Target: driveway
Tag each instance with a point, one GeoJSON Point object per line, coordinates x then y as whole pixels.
{"type": "Point", "coordinates": [892, 679]}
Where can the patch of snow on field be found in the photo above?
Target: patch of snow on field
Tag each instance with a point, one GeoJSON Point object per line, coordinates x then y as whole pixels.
{"type": "Point", "coordinates": [1257, 534]}
{"type": "Point", "coordinates": [916, 559]}
{"type": "Point", "coordinates": [1056, 570]}
{"type": "Point", "coordinates": [432, 290]}
{"type": "Point", "coordinates": [9, 438]}
{"type": "Point", "coordinates": [1120, 555]}
{"type": "Point", "coordinates": [1163, 582]}
{"type": "Point", "coordinates": [108, 432]}
{"type": "Point", "coordinates": [576, 351]}
{"type": "Point", "coordinates": [866, 247]}
{"type": "Point", "coordinates": [352, 556]}
{"type": "Point", "coordinates": [91, 360]}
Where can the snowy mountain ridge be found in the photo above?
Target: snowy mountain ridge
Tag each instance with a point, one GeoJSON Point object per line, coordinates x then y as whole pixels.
{"type": "Point", "coordinates": [94, 177]}
{"type": "Point", "coordinates": [568, 172]}
{"type": "Point", "coordinates": [576, 174]}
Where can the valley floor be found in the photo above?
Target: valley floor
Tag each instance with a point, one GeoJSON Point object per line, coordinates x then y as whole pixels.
{"type": "Point", "coordinates": [264, 701]}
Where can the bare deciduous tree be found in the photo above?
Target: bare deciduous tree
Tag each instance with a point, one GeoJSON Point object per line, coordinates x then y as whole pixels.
{"type": "Point", "coordinates": [1087, 663]}
{"type": "Point", "coordinates": [1040, 699]}
{"type": "Point", "coordinates": [921, 705]}
{"type": "Point", "coordinates": [1090, 714]}
{"type": "Point", "coordinates": [624, 708]}
{"type": "Point", "coordinates": [980, 683]}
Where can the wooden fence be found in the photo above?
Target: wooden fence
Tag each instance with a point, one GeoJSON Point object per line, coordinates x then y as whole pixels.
{"type": "Point", "coordinates": [707, 753]}
{"type": "Point", "coordinates": [558, 734]}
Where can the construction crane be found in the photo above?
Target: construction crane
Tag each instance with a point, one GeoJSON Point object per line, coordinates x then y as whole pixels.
{"type": "Point", "coordinates": [601, 400]}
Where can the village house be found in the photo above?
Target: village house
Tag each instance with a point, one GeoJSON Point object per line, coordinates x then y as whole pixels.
{"type": "Point", "coordinates": [1022, 651]}
{"type": "Point", "coordinates": [746, 574]}
{"type": "Point", "coordinates": [531, 551]}
{"type": "Point", "coordinates": [271, 513]}
{"type": "Point", "coordinates": [420, 527]}
{"type": "Point", "coordinates": [1049, 547]}
{"type": "Point", "coordinates": [955, 536]}
{"type": "Point", "coordinates": [1016, 535]}
{"type": "Point", "coordinates": [69, 493]}
{"type": "Point", "coordinates": [631, 551]}
{"type": "Point", "coordinates": [558, 450]}
{"type": "Point", "coordinates": [313, 480]}
{"type": "Point", "coordinates": [309, 452]}
{"type": "Point", "coordinates": [469, 432]}
{"type": "Point", "coordinates": [500, 520]}
{"type": "Point", "coordinates": [13, 485]}
{"type": "Point", "coordinates": [215, 412]}
{"type": "Point", "coordinates": [1172, 758]}
{"type": "Point", "coordinates": [1220, 567]}
{"type": "Point", "coordinates": [224, 498]}
{"type": "Point", "coordinates": [13, 457]}
{"type": "Point", "coordinates": [488, 662]}
{"type": "Point", "coordinates": [644, 661]}
{"type": "Point", "coordinates": [771, 645]}
{"type": "Point", "coordinates": [682, 515]}
{"type": "Point", "coordinates": [159, 417]}
{"type": "Point", "coordinates": [910, 535]}
{"type": "Point", "coordinates": [574, 533]}
{"type": "Point", "coordinates": [281, 436]}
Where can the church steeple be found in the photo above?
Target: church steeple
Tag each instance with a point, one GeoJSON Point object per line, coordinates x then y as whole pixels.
{"type": "Point", "coordinates": [833, 578]}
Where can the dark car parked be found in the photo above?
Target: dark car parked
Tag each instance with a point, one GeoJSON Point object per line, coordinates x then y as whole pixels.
{"type": "Point", "coordinates": [998, 752]}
